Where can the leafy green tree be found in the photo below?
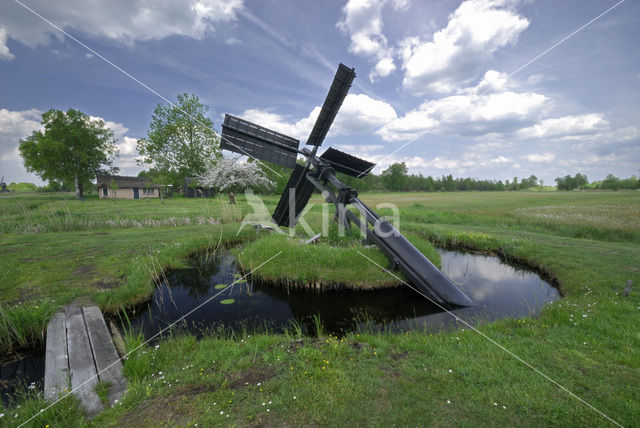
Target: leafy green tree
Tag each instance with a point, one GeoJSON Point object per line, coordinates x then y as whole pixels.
{"type": "Point", "coordinates": [580, 180]}
{"type": "Point", "coordinates": [528, 183]}
{"type": "Point", "coordinates": [73, 148]}
{"type": "Point", "coordinates": [395, 176]}
{"type": "Point", "coordinates": [181, 141]}
{"type": "Point", "coordinates": [610, 182]}
{"type": "Point", "coordinates": [565, 183]}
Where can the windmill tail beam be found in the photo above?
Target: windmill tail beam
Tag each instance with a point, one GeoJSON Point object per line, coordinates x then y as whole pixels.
{"type": "Point", "coordinates": [420, 272]}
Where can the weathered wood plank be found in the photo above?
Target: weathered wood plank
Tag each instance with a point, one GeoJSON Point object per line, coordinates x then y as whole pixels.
{"type": "Point", "coordinates": [56, 373]}
{"type": "Point", "coordinates": [104, 353]}
{"type": "Point", "coordinates": [81, 363]}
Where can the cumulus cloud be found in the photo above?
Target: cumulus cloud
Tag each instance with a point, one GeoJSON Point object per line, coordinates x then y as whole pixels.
{"type": "Point", "coordinates": [498, 160]}
{"type": "Point", "coordinates": [565, 127]}
{"type": "Point", "coordinates": [540, 157]}
{"type": "Point", "coordinates": [4, 49]}
{"type": "Point", "coordinates": [14, 126]}
{"type": "Point", "coordinates": [362, 20]}
{"type": "Point", "coordinates": [475, 30]}
{"type": "Point", "coordinates": [359, 114]}
{"type": "Point", "coordinates": [126, 146]}
{"type": "Point", "coordinates": [472, 112]}
{"type": "Point", "coordinates": [125, 21]}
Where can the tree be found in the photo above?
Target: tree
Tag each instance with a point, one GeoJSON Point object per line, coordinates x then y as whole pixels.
{"type": "Point", "coordinates": [580, 180]}
{"type": "Point", "coordinates": [73, 148]}
{"type": "Point", "coordinates": [528, 183]}
{"type": "Point", "coordinates": [114, 189]}
{"type": "Point", "coordinates": [181, 140]}
{"type": "Point", "coordinates": [395, 176]}
{"type": "Point", "coordinates": [610, 182]}
{"type": "Point", "coordinates": [569, 183]}
{"type": "Point", "coordinates": [230, 176]}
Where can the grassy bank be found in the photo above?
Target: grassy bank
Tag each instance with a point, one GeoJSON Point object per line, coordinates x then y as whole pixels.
{"type": "Point", "coordinates": [325, 265]}
{"type": "Point", "coordinates": [588, 341]}
{"type": "Point", "coordinates": [114, 268]}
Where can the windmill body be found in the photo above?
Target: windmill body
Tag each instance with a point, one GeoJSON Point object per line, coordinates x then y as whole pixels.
{"type": "Point", "coordinates": [318, 172]}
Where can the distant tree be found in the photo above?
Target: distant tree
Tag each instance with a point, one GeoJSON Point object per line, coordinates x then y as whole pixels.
{"type": "Point", "coordinates": [231, 176]}
{"type": "Point", "coordinates": [181, 140]}
{"type": "Point", "coordinates": [565, 183]}
{"type": "Point", "coordinates": [528, 183]}
{"type": "Point", "coordinates": [610, 182]}
{"type": "Point", "coordinates": [73, 148]}
{"type": "Point", "coordinates": [580, 180]}
{"type": "Point", "coordinates": [395, 177]}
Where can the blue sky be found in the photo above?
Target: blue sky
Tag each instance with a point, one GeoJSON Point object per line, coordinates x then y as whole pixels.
{"type": "Point", "coordinates": [438, 75]}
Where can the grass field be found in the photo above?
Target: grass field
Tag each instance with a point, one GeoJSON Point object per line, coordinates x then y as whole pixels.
{"type": "Point", "coordinates": [56, 249]}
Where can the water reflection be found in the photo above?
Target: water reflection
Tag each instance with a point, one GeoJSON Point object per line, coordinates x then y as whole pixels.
{"type": "Point", "coordinates": [497, 289]}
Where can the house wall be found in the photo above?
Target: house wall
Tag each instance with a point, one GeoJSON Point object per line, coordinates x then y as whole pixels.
{"type": "Point", "coordinates": [127, 193]}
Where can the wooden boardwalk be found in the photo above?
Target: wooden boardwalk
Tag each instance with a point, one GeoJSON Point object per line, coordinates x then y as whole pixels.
{"type": "Point", "coordinates": [79, 354]}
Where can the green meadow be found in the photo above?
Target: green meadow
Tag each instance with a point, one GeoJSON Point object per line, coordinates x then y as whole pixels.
{"type": "Point", "coordinates": [577, 363]}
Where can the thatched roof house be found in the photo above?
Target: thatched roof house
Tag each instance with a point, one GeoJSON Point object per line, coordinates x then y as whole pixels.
{"type": "Point", "coordinates": [115, 186]}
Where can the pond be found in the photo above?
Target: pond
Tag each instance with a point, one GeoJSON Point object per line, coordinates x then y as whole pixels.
{"type": "Point", "coordinates": [499, 290]}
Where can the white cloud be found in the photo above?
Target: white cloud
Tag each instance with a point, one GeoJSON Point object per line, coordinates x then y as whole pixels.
{"type": "Point", "coordinates": [359, 114]}
{"type": "Point", "coordinates": [14, 126]}
{"type": "Point", "coordinates": [362, 20]}
{"type": "Point", "coordinates": [118, 128]}
{"type": "Point", "coordinates": [540, 157]}
{"type": "Point", "coordinates": [383, 68]}
{"type": "Point", "coordinates": [232, 41]}
{"type": "Point", "coordinates": [4, 49]}
{"type": "Point", "coordinates": [127, 146]}
{"type": "Point", "coordinates": [500, 159]}
{"type": "Point", "coordinates": [472, 112]}
{"type": "Point", "coordinates": [126, 21]}
{"type": "Point", "coordinates": [456, 53]}
{"type": "Point", "coordinates": [566, 126]}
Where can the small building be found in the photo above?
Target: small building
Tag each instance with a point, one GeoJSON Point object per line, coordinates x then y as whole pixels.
{"type": "Point", "coordinates": [119, 187]}
{"type": "Point", "coordinates": [191, 191]}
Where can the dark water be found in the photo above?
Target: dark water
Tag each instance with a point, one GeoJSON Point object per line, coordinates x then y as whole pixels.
{"type": "Point", "coordinates": [22, 373]}
{"type": "Point", "coordinates": [499, 290]}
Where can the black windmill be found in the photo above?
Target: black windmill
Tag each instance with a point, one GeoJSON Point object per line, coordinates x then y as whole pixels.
{"type": "Point", "coordinates": [246, 138]}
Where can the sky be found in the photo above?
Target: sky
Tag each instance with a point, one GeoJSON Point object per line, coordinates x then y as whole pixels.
{"type": "Point", "coordinates": [489, 89]}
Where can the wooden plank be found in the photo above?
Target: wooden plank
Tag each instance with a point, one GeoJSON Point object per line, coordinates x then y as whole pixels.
{"type": "Point", "coordinates": [56, 367]}
{"type": "Point", "coordinates": [104, 353]}
{"type": "Point", "coordinates": [81, 363]}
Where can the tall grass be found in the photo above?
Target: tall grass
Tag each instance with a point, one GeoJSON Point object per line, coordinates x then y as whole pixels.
{"type": "Point", "coordinates": [24, 326]}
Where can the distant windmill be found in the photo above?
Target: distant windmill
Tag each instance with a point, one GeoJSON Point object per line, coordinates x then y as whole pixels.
{"type": "Point", "coordinates": [246, 138]}
{"type": "Point", "coordinates": [3, 185]}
